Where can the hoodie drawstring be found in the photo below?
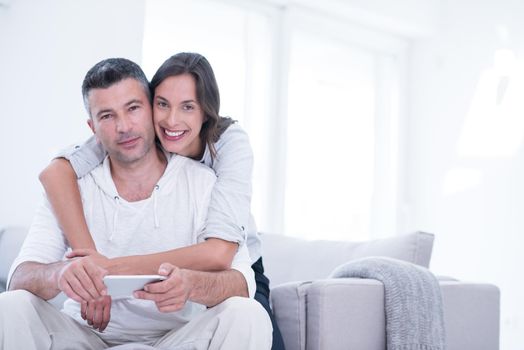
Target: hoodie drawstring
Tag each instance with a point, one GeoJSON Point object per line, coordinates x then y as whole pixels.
{"type": "Point", "coordinates": [157, 225]}
{"type": "Point", "coordinates": [115, 218]}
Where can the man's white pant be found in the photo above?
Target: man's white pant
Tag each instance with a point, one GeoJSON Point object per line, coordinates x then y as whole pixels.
{"type": "Point", "coordinates": [28, 322]}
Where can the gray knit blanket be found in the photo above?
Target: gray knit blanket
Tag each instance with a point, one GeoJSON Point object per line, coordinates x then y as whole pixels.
{"type": "Point", "coordinates": [413, 302]}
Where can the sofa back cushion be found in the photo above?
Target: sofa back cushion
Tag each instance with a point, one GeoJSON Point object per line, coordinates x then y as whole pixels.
{"type": "Point", "coordinates": [289, 259]}
{"type": "Point", "coordinates": [11, 239]}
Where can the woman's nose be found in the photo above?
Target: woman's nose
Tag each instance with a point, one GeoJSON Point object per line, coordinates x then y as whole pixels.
{"type": "Point", "coordinates": [173, 118]}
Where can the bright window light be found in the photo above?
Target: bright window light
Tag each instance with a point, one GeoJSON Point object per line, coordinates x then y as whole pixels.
{"type": "Point", "coordinates": [330, 143]}
{"type": "Point", "coordinates": [317, 107]}
{"type": "Point", "coordinates": [458, 180]}
{"type": "Point", "coordinates": [240, 52]}
{"type": "Point", "coordinates": [494, 126]}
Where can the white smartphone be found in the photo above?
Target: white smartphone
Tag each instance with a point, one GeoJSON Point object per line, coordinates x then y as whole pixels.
{"type": "Point", "coordinates": [125, 285]}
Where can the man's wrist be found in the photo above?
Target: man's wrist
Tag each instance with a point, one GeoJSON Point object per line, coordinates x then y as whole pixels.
{"type": "Point", "coordinates": [56, 273]}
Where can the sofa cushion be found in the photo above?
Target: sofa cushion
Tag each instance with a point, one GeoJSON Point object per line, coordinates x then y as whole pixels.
{"type": "Point", "coordinates": [289, 259]}
{"type": "Point", "coordinates": [11, 239]}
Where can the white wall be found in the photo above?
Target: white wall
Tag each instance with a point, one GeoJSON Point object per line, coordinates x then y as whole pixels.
{"type": "Point", "coordinates": [474, 203]}
{"type": "Point", "coordinates": [46, 47]}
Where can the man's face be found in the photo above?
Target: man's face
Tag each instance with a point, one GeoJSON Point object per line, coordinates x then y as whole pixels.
{"type": "Point", "coordinates": [121, 119]}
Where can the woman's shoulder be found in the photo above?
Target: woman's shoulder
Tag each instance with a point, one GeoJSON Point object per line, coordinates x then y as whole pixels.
{"type": "Point", "coordinates": [234, 131]}
{"type": "Point", "coordinates": [232, 146]}
{"type": "Point", "coordinates": [233, 137]}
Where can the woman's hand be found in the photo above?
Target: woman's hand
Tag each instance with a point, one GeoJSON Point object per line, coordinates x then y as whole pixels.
{"type": "Point", "coordinates": [81, 279]}
{"type": "Point", "coordinates": [171, 294]}
{"type": "Point", "coordinates": [94, 256]}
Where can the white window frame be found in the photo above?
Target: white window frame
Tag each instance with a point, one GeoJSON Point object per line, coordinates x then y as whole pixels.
{"type": "Point", "coordinates": [386, 211]}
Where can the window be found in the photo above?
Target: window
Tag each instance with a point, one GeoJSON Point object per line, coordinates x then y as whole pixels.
{"type": "Point", "coordinates": [310, 91]}
{"type": "Point", "coordinates": [330, 138]}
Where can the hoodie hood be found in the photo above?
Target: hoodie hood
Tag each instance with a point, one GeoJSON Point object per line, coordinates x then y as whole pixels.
{"type": "Point", "coordinates": [104, 181]}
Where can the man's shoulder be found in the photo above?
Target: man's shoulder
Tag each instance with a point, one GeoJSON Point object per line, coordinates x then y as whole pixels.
{"type": "Point", "coordinates": [191, 167]}
{"type": "Point", "coordinates": [96, 172]}
{"type": "Point", "coordinates": [188, 176]}
{"type": "Point", "coordinates": [97, 175]}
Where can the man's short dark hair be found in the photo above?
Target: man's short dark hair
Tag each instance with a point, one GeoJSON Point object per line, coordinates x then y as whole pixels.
{"type": "Point", "coordinates": [111, 71]}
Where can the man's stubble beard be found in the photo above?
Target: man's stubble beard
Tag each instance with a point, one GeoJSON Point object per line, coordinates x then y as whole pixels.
{"type": "Point", "coordinates": [129, 159]}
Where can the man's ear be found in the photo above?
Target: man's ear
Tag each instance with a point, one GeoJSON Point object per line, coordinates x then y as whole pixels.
{"type": "Point", "coordinates": [91, 125]}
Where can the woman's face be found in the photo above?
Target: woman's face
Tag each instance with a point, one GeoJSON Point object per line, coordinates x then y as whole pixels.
{"type": "Point", "coordinates": [178, 117]}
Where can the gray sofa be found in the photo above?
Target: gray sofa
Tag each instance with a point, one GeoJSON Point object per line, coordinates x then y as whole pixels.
{"type": "Point", "coordinates": [318, 313]}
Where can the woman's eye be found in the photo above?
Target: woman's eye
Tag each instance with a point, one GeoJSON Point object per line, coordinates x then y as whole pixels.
{"type": "Point", "coordinates": [161, 104]}
{"type": "Point", "coordinates": [188, 107]}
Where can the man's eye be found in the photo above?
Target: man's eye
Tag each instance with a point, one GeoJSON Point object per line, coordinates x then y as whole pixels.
{"type": "Point", "coordinates": [105, 116]}
{"type": "Point", "coordinates": [133, 108]}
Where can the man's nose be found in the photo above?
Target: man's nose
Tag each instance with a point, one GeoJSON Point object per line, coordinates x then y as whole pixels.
{"type": "Point", "coordinates": [123, 124]}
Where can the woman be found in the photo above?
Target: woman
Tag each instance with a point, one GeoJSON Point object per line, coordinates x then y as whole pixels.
{"type": "Point", "coordinates": [186, 104]}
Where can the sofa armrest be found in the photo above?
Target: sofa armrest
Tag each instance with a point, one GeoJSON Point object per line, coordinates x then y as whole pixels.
{"type": "Point", "coordinates": [346, 313]}
{"type": "Point", "coordinates": [349, 314]}
{"type": "Point", "coordinates": [11, 239]}
{"type": "Point", "coordinates": [323, 314]}
{"type": "Point", "coordinates": [289, 307]}
{"type": "Point", "coordinates": [471, 315]}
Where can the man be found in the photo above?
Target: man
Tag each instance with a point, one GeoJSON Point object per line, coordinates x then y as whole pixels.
{"type": "Point", "coordinates": [139, 201]}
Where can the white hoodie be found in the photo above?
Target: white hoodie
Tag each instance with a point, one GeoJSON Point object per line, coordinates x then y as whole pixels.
{"type": "Point", "coordinates": [229, 216]}
{"type": "Point", "coordinates": [172, 217]}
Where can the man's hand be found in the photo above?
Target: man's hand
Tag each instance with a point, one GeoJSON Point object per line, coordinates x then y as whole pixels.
{"type": "Point", "coordinates": [81, 279]}
{"type": "Point", "coordinates": [97, 312]}
{"type": "Point", "coordinates": [169, 295]}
